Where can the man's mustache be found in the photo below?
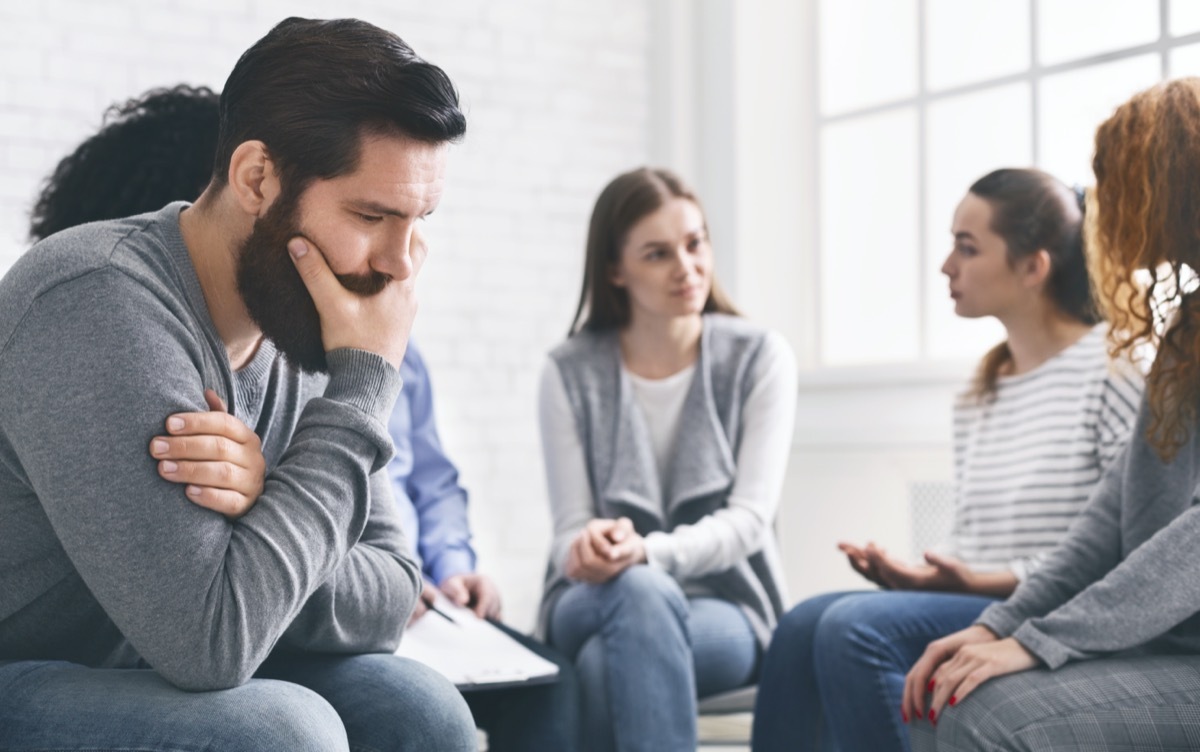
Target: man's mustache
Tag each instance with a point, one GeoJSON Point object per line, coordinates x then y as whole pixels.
{"type": "Point", "coordinates": [366, 285]}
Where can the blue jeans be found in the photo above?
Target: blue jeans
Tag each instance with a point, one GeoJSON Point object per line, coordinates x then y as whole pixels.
{"type": "Point", "coordinates": [644, 652]}
{"type": "Point", "coordinates": [539, 716]}
{"type": "Point", "coordinates": [304, 703]}
{"type": "Point", "coordinates": [834, 673]}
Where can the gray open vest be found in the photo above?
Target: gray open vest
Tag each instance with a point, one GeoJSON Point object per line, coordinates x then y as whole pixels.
{"type": "Point", "coordinates": [620, 460]}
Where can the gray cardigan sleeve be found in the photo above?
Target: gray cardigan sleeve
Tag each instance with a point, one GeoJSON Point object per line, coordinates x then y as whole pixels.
{"type": "Point", "coordinates": [1127, 572]}
{"type": "Point", "coordinates": [89, 376]}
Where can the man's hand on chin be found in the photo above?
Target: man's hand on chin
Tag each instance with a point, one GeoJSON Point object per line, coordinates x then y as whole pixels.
{"type": "Point", "coordinates": [377, 323]}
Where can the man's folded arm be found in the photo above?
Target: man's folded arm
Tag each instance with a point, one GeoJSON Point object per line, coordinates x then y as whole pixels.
{"type": "Point", "coordinates": [89, 377]}
{"type": "Point", "coordinates": [364, 605]}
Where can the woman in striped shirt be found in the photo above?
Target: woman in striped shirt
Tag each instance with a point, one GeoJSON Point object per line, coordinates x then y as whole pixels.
{"type": "Point", "coordinates": [1047, 412]}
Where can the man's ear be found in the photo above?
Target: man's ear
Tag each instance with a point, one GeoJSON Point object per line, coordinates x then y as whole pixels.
{"type": "Point", "coordinates": [253, 179]}
{"type": "Point", "coordinates": [1036, 268]}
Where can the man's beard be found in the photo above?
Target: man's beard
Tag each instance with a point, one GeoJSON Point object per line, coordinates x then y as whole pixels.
{"type": "Point", "coordinates": [275, 295]}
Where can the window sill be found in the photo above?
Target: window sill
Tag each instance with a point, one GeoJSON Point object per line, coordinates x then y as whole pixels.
{"type": "Point", "coordinates": [924, 373]}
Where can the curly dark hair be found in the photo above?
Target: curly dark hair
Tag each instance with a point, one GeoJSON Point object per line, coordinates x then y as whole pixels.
{"type": "Point", "coordinates": [150, 151]}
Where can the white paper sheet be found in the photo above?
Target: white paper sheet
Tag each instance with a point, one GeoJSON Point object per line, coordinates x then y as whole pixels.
{"type": "Point", "coordinates": [470, 651]}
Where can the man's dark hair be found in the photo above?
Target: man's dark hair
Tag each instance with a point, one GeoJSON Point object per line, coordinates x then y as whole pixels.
{"type": "Point", "coordinates": [150, 151]}
{"type": "Point", "coordinates": [310, 90]}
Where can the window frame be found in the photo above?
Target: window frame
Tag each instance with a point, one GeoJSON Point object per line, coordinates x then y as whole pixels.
{"type": "Point", "coordinates": [923, 365]}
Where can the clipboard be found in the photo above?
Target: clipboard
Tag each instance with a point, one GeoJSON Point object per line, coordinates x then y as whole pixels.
{"type": "Point", "coordinates": [472, 652]}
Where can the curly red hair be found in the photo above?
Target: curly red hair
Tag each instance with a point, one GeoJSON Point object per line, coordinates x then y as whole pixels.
{"type": "Point", "coordinates": [1147, 196]}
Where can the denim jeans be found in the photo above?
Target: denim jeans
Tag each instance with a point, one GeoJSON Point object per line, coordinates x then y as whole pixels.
{"type": "Point", "coordinates": [536, 717]}
{"type": "Point", "coordinates": [644, 652]}
{"type": "Point", "coordinates": [834, 673]}
{"type": "Point", "coordinates": [302, 703]}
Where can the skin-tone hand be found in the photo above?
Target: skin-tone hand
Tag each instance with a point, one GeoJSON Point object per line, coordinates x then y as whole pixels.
{"type": "Point", "coordinates": [216, 456]}
{"type": "Point", "coordinates": [921, 679]}
{"type": "Point", "coordinates": [860, 563]}
{"type": "Point", "coordinates": [378, 323]}
{"type": "Point", "coordinates": [939, 574]}
{"type": "Point", "coordinates": [474, 591]}
{"type": "Point", "coordinates": [959, 674]}
{"type": "Point", "coordinates": [604, 549]}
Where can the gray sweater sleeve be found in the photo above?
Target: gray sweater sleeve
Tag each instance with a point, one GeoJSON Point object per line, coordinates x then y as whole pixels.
{"type": "Point", "coordinates": [1090, 549]}
{"type": "Point", "coordinates": [360, 607]}
{"type": "Point", "coordinates": [89, 376]}
{"type": "Point", "coordinates": [1127, 572]}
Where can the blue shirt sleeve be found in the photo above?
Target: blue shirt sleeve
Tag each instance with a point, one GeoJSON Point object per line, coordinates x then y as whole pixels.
{"type": "Point", "coordinates": [433, 506]}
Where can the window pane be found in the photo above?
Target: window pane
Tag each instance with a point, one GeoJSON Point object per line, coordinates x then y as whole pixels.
{"type": "Point", "coordinates": [968, 137]}
{"type": "Point", "coordinates": [868, 53]}
{"type": "Point", "coordinates": [1185, 17]}
{"type": "Point", "coordinates": [868, 217]}
{"type": "Point", "coordinates": [1071, 29]}
{"type": "Point", "coordinates": [1185, 61]}
{"type": "Point", "coordinates": [973, 40]}
{"type": "Point", "coordinates": [1073, 104]}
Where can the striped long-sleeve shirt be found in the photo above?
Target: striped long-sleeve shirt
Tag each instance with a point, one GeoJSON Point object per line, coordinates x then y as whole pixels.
{"type": "Point", "coordinates": [1028, 456]}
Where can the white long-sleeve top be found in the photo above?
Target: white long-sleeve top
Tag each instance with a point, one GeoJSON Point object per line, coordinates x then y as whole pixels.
{"type": "Point", "coordinates": [720, 539]}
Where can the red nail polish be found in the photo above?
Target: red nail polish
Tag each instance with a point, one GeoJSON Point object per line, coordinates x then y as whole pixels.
{"type": "Point", "coordinates": [919, 714]}
{"type": "Point", "coordinates": [933, 716]}
{"type": "Point", "coordinates": [904, 716]}
{"type": "Point", "coordinates": [929, 687]}
{"type": "Point", "coordinates": [953, 700]}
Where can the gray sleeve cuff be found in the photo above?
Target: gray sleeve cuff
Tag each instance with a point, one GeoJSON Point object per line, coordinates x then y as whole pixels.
{"type": "Point", "coordinates": [363, 379]}
{"type": "Point", "coordinates": [996, 618]}
{"type": "Point", "coordinates": [1051, 652]}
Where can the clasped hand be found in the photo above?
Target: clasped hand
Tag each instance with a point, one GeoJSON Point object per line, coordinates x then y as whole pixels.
{"type": "Point", "coordinates": [604, 549]}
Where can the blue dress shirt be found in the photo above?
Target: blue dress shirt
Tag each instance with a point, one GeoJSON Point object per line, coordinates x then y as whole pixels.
{"type": "Point", "coordinates": [433, 506]}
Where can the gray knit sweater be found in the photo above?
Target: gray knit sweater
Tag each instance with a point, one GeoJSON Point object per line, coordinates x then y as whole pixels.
{"type": "Point", "coordinates": [104, 332]}
{"type": "Point", "coordinates": [1128, 573]}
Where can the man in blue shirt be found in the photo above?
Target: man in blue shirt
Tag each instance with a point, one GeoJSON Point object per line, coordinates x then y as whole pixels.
{"type": "Point", "coordinates": [433, 511]}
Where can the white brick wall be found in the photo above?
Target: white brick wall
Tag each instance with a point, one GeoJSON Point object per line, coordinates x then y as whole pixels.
{"type": "Point", "coordinates": [557, 98]}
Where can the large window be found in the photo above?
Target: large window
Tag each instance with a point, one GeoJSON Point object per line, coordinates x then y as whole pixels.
{"type": "Point", "coordinates": [917, 98]}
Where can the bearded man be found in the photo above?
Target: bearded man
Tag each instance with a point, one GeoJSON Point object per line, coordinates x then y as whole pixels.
{"type": "Point", "coordinates": [142, 606]}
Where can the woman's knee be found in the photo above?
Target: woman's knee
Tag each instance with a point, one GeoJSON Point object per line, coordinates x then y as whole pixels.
{"type": "Point", "coordinates": [960, 730]}
{"type": "Point", "coordinates": [837, 622]}
{"type": "Point", "coordinates": [988, 720]}
{"type": "Point", "coordinates": [855, 634]}
{"type": "Point", "coordinates": [645, 587]}
{"type": "Point", "coordinates": [799, 626]}
{"type": "Point", "coordinates": [862, 618]}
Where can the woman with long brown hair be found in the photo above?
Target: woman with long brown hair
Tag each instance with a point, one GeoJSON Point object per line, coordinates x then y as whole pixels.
{"type": "Point", "coordinates": [666, 423]}
{"type": "Point", "coordinates": [1104, 639]}
{"type": "Point", "coordinates": [1045, 415]}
